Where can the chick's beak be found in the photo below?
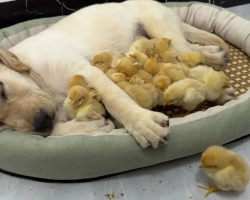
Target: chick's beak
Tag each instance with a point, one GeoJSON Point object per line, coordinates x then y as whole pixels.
{"type": "Point", "coordinates": [201, 165]}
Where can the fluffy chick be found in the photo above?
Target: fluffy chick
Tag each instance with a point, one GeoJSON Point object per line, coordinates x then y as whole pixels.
{"type": "Point", "coordinates": [187, 93]}
{"type": "Point", "coordinates": [76, 80]}
{"type": "Point", "coordinates": [164, 52]}
{"type": "Point", "coordinates": [142, 45]}
{"type": "Point", "coordinates": [191, 59]}
{"type": "Point", "coordinates": [103, 61]}
{"type": "Point", "coordinates": [161, 81]}
{"type": "Point", "coordinates": [228, 170]}
{"type": "Point", "coordinates": [138, 58]}
{"type": "Point", "coordinates": [136, 80]}
{"type": "Point", "coordinates": [215, 81]}
{"type": "Point", "coordinates": [174, 71]}
{"type": "Point", "coordinates": [136, 92]}
{"type": "Point", "coordinates": [127, 67]}
{"type": "Point", "coordinates": [152, 66]}
{"type": "Point", "coordinates": [86, 106]}
{"type": "Point", "coordinates": [162, 44]}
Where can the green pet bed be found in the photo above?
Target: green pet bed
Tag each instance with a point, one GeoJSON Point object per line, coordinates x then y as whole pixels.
{"type": "Point", "coordinates": [85, 157]}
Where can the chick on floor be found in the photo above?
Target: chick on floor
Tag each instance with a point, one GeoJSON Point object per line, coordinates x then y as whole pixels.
{"type": "Point", "coordinates": [228, 170]}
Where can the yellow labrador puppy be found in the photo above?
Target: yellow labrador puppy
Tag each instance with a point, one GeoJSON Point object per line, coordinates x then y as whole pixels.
{"type": "Point", "coordinates": [66, 49]}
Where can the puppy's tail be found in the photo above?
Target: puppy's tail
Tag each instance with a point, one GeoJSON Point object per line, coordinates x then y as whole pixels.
{"type": "Point", "coordinates": [196, 35]}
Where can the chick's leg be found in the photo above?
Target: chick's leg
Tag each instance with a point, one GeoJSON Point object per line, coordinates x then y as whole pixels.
{"type": "Point", "coordinates": [210, 189]}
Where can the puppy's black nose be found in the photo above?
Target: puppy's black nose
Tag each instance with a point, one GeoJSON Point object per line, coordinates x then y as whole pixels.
{"type": "Point", "coordinates": [43, 121]}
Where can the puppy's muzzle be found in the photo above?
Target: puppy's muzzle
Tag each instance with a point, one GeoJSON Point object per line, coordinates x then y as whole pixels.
{"type": "Point", "coordinates": [43, 121]}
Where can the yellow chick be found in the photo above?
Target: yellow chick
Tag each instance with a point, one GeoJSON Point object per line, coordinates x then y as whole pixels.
{"type": "Point", "coordinates": [103, 61]}
{"type": "Point", "coordinates": [164, 52]}
{"type": "Point", "coordinates": [140, 95]}
{"type": "Point", "coordinates": [111, 71]}
{"type": "Point", "coordinates": [152, 66]}
{"type": "Point", "coordinates": [191, 59]}
{"type": "Point", "coordinates": [120, 79]}
{"type": "Point", "coordinates": [87, 108]}
{"type": "Point", "coordinates": [174, 72]}
{"type": "Point", "coordinates": [136, 80]}
{"type": "Point", "coordinates": [154, 93]}
{"type": "Point", "coordinates": [127, 67]}
{"type": "Point", "coordinates": [187, 93]}
{"type": "Point", "coordinates": [215, 81]}
{"type": "Point", "coordinates": [162, 44]}
{"type": "Point", "coordinates": [138, 58]}
{"type": "Point", "coordinates": [161, 81]}
{"type": "Point", "coordinates": [228, 170]}
{"type": "Point", "coordinates": [76, 80]}
{"type": "Point", "coordinates": [142, 45]}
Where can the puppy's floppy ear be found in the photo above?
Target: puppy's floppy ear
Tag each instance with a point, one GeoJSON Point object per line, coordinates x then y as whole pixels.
{"type": "Point", "coordinates": [11, 61]}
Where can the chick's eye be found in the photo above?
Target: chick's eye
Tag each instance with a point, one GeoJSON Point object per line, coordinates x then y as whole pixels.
{"type": "Point", "coordinates": [80, 99]}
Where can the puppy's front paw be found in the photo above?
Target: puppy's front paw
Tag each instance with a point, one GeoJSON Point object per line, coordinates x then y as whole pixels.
{"type": "Point", "coordinates": [215, 56]}
{"type": "Point", "coordinates": [148, 128]}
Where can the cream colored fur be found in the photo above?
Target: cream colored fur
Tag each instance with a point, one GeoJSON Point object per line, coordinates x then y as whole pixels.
{"type": "Point", "coordinates": [67, 48]}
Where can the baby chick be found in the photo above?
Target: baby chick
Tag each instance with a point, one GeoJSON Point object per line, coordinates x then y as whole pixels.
{"type": "Point", "coordinates": [138, 58]}
{"type": "Point", "coordinates": [136, 80]}
{"type": "Point", "coordinates": [174, 72]}
{"type": "Point", "coordinates": [191, 59]}
{"type": "Point", "coordinates": [142, 45]}
{"type": "Point", "coordinates": [228, 170]}
{"type": "Point", "coordinates": [215, 81]}
{"type": "Point", "coordinates": [164, 52]}
{"type": "Point", "coordinates": [76, 80]}
{"type": "Point", "coordinates": [152, 66]}
{"type": "Point", "coordinates": [86, 106]}
{"type": "Point", "coordinates": [162, 44]}
{"type": "Point", "coordinates": [139, 94]}
{"type": "Point", "coordinates": [161, 81]}
{"type": "Point", "coordinates": [127, 67]}
{"type": "Point", "coordinates": [154, 93]}
{"type": "Point", "coordinates": [187, 93]}
{"type": "Point", "coordinates": [103, 61]}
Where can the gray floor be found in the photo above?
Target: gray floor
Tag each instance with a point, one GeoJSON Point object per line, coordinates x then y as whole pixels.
{"type": "Point", "coordinates": [242, 11]}
{"type": "Point", "coordinates": [175, 180]}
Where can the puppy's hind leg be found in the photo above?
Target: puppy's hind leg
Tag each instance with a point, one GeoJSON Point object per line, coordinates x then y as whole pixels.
{"type": "Point", "coordinates": [216, 54]}
{"type": "Point", "coordinates": [162, 22]}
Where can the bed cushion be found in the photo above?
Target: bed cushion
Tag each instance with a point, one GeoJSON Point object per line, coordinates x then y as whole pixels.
{"type": "Point", "coordinates": [85, 157]}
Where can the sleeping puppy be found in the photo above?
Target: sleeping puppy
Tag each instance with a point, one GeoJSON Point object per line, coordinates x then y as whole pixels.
{"type": "Point", "coordinates": [65, 49]}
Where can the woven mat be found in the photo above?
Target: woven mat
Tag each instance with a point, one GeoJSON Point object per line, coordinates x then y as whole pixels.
{"type": "Point", "coordinates": [238, 71]}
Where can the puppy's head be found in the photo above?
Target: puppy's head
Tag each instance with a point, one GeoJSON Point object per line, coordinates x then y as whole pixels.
{"type": "Point", "coordinates": [24, 105]}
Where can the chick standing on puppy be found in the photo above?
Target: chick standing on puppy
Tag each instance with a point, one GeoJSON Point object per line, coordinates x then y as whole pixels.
{"type": "Point", "coordinates": [228, 170]}
{"type": "Point", "coordinates": [82, 104]}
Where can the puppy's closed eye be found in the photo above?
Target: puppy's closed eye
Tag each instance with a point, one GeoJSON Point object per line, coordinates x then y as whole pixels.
{"type": "Point", "coordinates": [3, 93]}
